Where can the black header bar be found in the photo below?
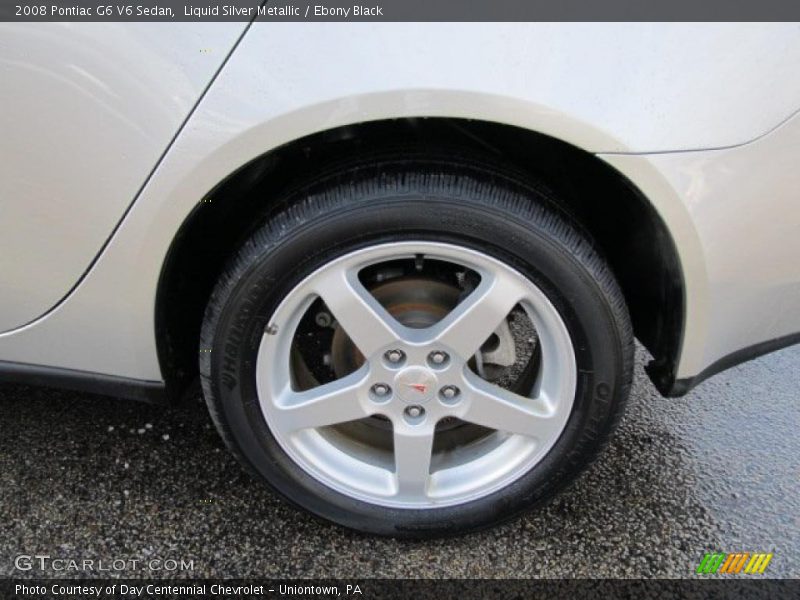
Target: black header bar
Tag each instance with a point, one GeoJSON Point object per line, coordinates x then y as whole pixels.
{"type": "Point", "coordinates": [399, 10]}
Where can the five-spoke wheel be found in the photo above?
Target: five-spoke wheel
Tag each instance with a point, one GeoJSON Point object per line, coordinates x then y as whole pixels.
{"type": "Point", "coordinates": [417, 378]}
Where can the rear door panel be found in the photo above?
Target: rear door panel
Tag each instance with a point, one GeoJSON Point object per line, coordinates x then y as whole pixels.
{"type": "Point", "coordinates": [86, 111]}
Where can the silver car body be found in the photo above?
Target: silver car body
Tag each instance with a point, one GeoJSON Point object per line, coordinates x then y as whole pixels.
{"type": "Point", "coordinates": [113, 133]}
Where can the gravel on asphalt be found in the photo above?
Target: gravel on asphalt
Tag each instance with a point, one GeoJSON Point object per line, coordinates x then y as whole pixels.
{"type": "Point", "coordinates": [89, 477]}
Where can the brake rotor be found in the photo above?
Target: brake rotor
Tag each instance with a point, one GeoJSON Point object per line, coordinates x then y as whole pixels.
{"type": "Point", "coordinates": [415, 302]}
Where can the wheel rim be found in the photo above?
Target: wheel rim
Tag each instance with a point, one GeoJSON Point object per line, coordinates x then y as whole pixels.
{"type": "Point", "coordinates": [414, 378]}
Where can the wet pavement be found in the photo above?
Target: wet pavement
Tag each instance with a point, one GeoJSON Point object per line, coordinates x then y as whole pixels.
{"type": "Point", "coordinates": [91, 478]}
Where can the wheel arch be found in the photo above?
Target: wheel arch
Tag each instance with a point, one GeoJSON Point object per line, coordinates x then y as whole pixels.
{"type": "Point", "coordinates": [627, 226]}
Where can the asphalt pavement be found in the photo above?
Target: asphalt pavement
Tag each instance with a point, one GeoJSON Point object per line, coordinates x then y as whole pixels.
{"type": "Point", "coordinates": [86, 477]}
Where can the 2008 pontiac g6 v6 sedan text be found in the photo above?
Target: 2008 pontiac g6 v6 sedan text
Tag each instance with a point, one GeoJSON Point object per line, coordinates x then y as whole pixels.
{"type": "Point", "coordinates": [409, 285]}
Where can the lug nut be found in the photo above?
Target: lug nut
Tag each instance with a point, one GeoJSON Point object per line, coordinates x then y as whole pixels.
{"type": "Point", "coordinates": [450, 392]}
{"type": "Point", "coordinates": [381, 389]}
{"type": "Point", "coordinates": [438, 357]}
{"type": "Point", "coordinates": [394, 356]}
{"type": "Point", "coordinates": [414, 411]}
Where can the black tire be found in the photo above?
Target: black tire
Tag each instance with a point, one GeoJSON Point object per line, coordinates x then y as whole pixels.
{"type": "Point", "coordinates": [461, 202]}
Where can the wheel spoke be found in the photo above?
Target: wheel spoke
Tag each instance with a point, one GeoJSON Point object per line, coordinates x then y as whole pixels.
{"type": "Point", "coordinates": [335, 402]}
{"type": "Point", "coordinates": [471, 323]}
{"type": "Point", "coordinates": [412, 456]}
{"type": "Point", "coordinates": [496, 408]}
{"type": "Point", "coordinates": [367, 323]}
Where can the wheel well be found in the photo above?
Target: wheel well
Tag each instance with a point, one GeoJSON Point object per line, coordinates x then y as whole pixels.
{"type": "Point", "coordinates": [623, 223]}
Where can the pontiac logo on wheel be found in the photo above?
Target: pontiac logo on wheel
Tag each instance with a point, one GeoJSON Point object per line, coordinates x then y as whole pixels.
{"type": "Point", "coordinates": [415, 384]}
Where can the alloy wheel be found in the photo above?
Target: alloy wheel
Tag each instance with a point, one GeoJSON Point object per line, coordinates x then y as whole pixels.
{"type": "Point", "coordinates": [412, 382]}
